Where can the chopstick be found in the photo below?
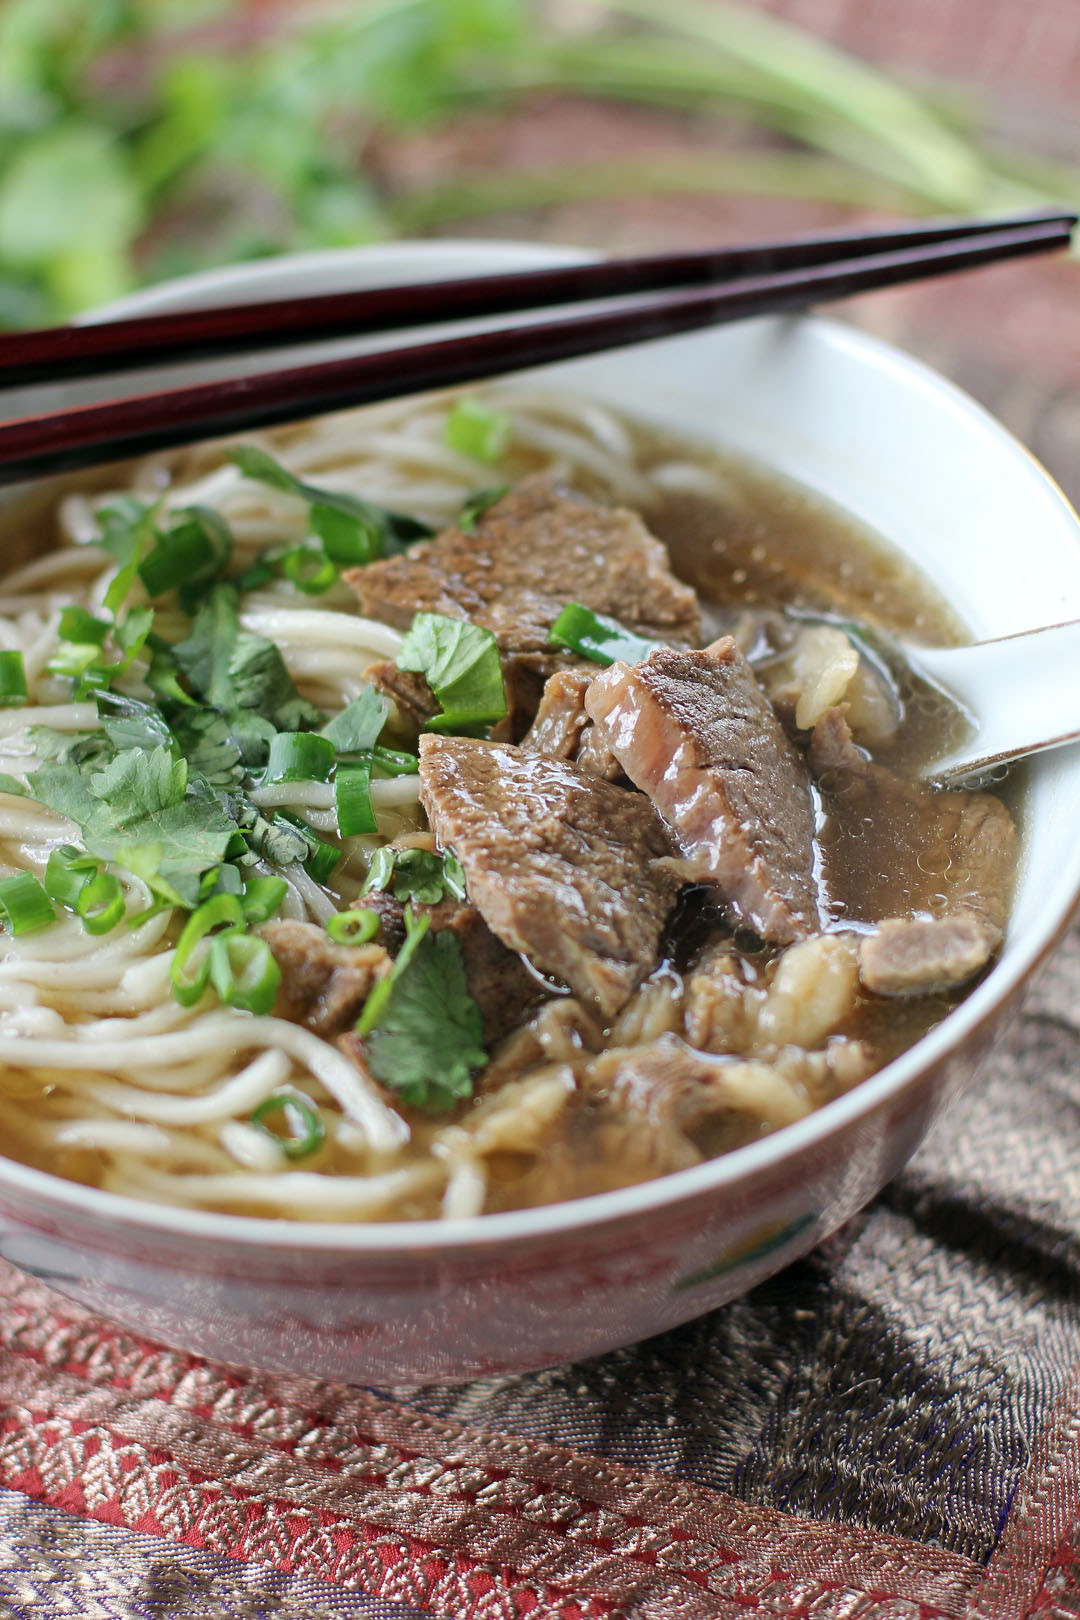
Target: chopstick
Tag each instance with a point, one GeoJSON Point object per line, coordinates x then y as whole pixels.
{"type": "Point", "coordinates": [85, 435]}
{"type": "Point", "coordinates": [57, 354]}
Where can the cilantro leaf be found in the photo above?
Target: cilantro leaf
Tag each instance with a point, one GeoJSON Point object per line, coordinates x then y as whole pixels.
{"type": "Point", "coordinates": [192, 551]}
{"type": "Point", "coordinates": [426, 1042]}
{"type": "Point", "coordinates": [144, 811]}
{"type": "Point", "coordinates": [130, 723]}
{"type": "Point", "coordinates": [461, 664]}
{"type": "Point", "coordinates": [127, 529]}
{"type": "Point", "coordinates": [416, 874]}
{"type": "Point", "coordinates": [353, 531]}
{"type": "Point", "coordinates": [358, 725]}
{"type": "Point", "coordinates": [242, 676]}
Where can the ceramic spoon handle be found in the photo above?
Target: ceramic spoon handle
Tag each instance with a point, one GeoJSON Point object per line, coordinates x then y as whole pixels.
{"type": "Point", "coordinates": [1022, 693]}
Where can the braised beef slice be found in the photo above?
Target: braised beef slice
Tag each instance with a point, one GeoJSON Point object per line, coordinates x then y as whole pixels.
{"type": "Point", "coordinates": [499, 982]}
{"type": "Point", "coordinates": [323, 985]}
{"type": "Point", "coordinates": [894, 847]}
{"type": "Point", "coordinates": [414, 701]}
{"type": "Point", "coordinates": [563, 867]}
{"type": "Point", "coordinates": [696, 732]}
{"type": "Point", "coordinates": [912, 955]}
{"type": "Point", "coordinates": [562, 726]}
{"type": "Point", "coordinates": [528, 556]}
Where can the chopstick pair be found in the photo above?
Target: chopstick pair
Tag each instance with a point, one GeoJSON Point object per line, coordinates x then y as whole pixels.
{"type": "Point", "coordinates": [653, 297]}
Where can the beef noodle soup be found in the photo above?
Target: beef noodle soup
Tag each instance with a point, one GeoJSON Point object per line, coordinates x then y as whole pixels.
{"type": "Point", "coordinates": [462, 805]}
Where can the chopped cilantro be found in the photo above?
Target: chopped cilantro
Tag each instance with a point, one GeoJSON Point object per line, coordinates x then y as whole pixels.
{"type": "Point", "coordinates": [426, 1039]}
{"type": "Point", "coordinates": [130, 723]}
{"type": "Point", "coordinates": [242, 676]}
{"type": "Point", "coordinates": [189, 554]}
{"type": "Point", "coordinates": [127, 530]}
{"type": "Point", "coordinates": [460, 662]}
{"type": "Point", "coordinates": [358, 725]}
{"type": "Point", "coordinates": [419, 875]}
{"type": "Point", "coordinates": [145, 811]}
{"type": "Point", "coordinates": [353, 531]}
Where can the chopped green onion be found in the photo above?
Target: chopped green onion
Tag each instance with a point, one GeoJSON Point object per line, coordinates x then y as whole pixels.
{"type": "Point", "coordinates": [301, 1119]}
{"type": "Point", "coordinates": [74, 659]}
{"type": "Point", "coordinates": [352, 799]}
{"type": "Point", "coordinates": [243, 971]}
{"type": "Point", "coordinates": [350, 540]}
{"type": "Point", "coordinates": [394, 761]}
{"type": "Point", "coordinates": [322, 859]}
{"type": "Point", "coordinates": [67, 872]}
{"type": "Point", "coordinates": [415, 929]}
{"type": "Point", "coordinates": [309, 568]}
{"type": "Point", "coordinates": [298, 756]}
{"type": "Point", "coordinates": [599, 638]}
{"type": "Point", "coordinates": [78, 625]}
{"type": "Point", "coordinates": [355, 927]}
{"type": "Point", "coordinates": [13, 688]}
{"type": "Point", "coordinates": [221, 911]}
{"type": "Point", "coordinates": [192, 552]}
{"type": "Point", "coordinates": [380, 869]}
{"type": "Point", "coordinates": [260, 572]}
{"type": "Point", "coordinates": [477, 504]}
{"type": "Point", "coordinates": [477, 429]}
{"type": "Point", "coordinates": [24, 905]}
{"type": "Point", "coordinates": [100, 903]}
{"type": "Point", "coordinates": [262, 896]}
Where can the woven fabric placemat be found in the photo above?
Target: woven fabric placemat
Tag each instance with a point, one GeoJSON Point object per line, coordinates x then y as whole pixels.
{"type": "Point", "coordinates": [888, 1429]}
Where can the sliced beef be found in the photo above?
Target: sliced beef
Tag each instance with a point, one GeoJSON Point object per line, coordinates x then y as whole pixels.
{"type": "Point", "coordinates": [562, 727]}
{"type": "Point", "coordinates": [414, 701]}
{"type": "Point", "coordinates": [528, 556]}
{"type": "Point", "coordinates": [894, 847]}
{"type": "Point", "coordinates": [563, 867]}
{"type": "Point", "coordinates": [909, 956]}
{"type": "Point", "coordinates": [323, 985]}
{"type": "Point", "coordinates": [499, 981]}
{"type": "Point", "coordinates": [697, 733]}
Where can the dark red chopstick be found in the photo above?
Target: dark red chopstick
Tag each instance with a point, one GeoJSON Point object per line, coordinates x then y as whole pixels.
{"type": "Point", "coordinates": [90, 434]}
{"type": "Point", "coordinates": [56, 354]}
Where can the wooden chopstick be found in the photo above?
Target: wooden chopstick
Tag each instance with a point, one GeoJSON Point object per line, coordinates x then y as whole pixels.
{"type": "Point", "coordinates": [89, 434]}
{"type": "Point", "coordinates": [57, 354]}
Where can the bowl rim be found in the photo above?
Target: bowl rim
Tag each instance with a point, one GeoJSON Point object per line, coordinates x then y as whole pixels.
{"type": "Point", "coordinates": [887, 1086]}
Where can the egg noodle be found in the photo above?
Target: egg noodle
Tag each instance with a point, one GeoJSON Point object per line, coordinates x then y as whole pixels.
{"type": "Point", "coordinates": [105, 1078]}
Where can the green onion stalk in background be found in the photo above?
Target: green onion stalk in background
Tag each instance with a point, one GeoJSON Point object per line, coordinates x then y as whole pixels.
{"type": "Point", "coordinates": [143, 138]}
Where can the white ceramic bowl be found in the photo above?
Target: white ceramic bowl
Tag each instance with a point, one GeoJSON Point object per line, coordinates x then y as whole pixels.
{"type": "Point", "coordinates": [910, 455]}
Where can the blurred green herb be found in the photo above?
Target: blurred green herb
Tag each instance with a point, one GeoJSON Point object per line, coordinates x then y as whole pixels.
{"type": "Point", "coordinates": [140, 138]}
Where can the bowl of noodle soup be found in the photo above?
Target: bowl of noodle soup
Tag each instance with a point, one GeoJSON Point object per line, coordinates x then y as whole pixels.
{"type": "Point", "coordinates": [416, 1243]}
